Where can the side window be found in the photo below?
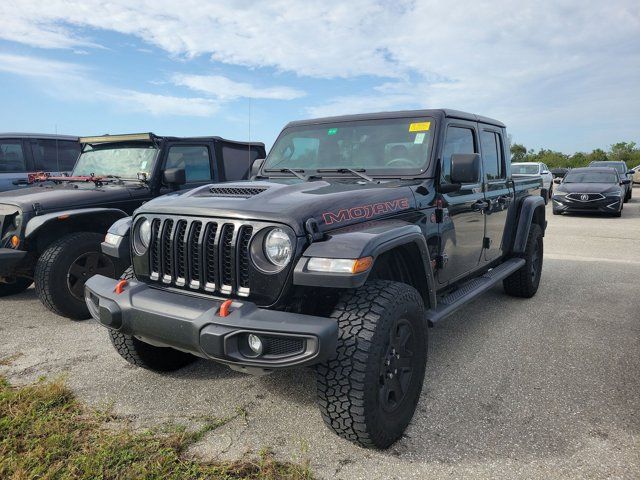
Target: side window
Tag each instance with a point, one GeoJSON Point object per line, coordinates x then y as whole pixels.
{"type": "Point", "coordinates": [193, 158]}
{"type": "Point", "coordinates": [11, 157]}
{"type": "Point", "coordinates": [237, 161]}
{"type": "Point", "coordinates": [458, 140]}
{"type": "Point", "coordinates": [491, 155]}
{"type": "Point", "coordinates": [54, 155]}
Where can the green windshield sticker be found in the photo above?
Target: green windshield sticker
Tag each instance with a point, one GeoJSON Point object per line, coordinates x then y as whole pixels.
{"type": "Point", "coordinates": [332, 131]}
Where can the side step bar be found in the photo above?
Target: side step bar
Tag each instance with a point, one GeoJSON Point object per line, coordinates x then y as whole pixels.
{"type": "Point", "coordinates": [471, 289]}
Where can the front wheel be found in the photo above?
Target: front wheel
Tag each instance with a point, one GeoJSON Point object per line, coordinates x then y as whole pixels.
{"type": "Point", "coordinates": [369, 390]}
{"type": "Point", "coordinates": [14, 287]}
{"type": "Point", "coordinates": [63, 269]}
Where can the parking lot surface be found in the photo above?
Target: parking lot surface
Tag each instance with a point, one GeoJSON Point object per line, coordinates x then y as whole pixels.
{"type": "Point", "coordinates": [541, 388]}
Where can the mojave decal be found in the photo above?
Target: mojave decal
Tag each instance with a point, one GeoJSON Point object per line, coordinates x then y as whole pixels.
{"type": "Point", "coordinates": [365, 211]}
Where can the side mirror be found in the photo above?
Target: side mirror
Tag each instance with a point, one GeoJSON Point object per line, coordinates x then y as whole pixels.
{"type": "Point", "coordinates": [545, 172]}
{"type": "Point", "coordinates": [631, 172]}
{"type": "Point", "coordinates": [256, 166]}
{"type": "Point", "coordinates": [465, 168]}
{"type": "Point", "coordinates": [626, 181]}
{"type": "Point", "coordinates": [174, 177]}
{"type": "Point", "coordinates": [557, 180]}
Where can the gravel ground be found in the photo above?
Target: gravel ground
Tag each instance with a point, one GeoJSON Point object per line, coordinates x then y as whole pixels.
{"type": "Point", "coordinates": [539, 388]}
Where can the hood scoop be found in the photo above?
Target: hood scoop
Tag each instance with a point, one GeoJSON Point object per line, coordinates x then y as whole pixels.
{"type": "Point", "coordinates": [236, 192]}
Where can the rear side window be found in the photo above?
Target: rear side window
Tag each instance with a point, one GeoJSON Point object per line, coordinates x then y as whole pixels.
{"type": "Point", "coordinates": [492, 157]}
{"type": "Point", "coordinates": [459, 140]}
{"type": "Point", "coordinates": [193, 158]}
{"type": "Point", "coordinates": [54, 155]}
{"type": "Point", "coordinates": [237, 161]}
{"type": "Point", "coordinates": [12, 157]}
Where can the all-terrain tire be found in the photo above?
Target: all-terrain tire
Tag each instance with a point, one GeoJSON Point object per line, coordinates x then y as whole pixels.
{"type": "Point", "coordinates": [524, 282]}
{"type": "Point", "coordinates": [19, 285]}
{"type": "Point", "coordinates": [356, 396]}
{"type": "Point", "coordinates": [141, 354]}
{"type": "Point", "coordinates": [61, 288]}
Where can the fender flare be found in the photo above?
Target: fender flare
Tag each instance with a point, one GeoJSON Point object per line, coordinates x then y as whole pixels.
{"type": "Point", "coordinates": [528, 207]}
{"type": "Point", "coordinates": [364, 240]}
{"type": "Point", "coordinates": [37, 223]}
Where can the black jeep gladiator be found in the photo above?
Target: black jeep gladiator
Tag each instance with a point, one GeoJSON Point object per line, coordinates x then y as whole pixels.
{"type": "Point", "coordinates": [353, 236]}
{"type": "Point", "coordinates": [51, 232]}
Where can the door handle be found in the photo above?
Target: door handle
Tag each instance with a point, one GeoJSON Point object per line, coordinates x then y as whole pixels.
{"type": "Point", "coordinates": [481, 205]}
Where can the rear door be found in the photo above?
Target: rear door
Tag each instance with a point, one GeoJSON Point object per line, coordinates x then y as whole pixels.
{"type": "Point", "coordinates": [13, 164]}
{"type": "Point", "coordinates": [462, 228]}
{"type": "Point", "coordinates": [497, 191]}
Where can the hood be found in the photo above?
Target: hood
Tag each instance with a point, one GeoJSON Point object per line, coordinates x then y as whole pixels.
{"type": "Point", "coordinates": [67, 195]}
{"type": "Point", "coordinates": [332, 203]}
{"type": "Point", "coordinates": [587, 187]}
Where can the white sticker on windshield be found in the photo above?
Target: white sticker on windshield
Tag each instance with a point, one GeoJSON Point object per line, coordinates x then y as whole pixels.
{"type": "Point", "coordinates": [419, 138]}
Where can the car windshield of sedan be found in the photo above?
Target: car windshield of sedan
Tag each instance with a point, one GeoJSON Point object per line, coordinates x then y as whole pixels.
{"type": "Point", "coordinates": [383, 146]}
{"type": "Point", "coordinates": [117, 160]}
{"type": "Point", "coordinates": [531, 169]}
{"type": "Point", "coordinates": [591, 177]}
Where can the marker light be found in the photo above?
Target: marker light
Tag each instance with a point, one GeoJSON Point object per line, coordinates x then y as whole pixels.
{"type": "Point", "coordinates": [15, 241]}
{"type": "Point", "coordinates": [339, 265]}
{"type": "Point", "coordinates": [112, 239]}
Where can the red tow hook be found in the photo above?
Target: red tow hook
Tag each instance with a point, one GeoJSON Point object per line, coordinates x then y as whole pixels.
{"type": "Point", "coordinates": [224, 308]}
{"type": "Point", "coordinates": [120, 286]}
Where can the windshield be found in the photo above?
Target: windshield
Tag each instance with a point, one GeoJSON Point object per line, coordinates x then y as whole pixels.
{"type": "Point", "coordinates": [117, 160]}
{"type": "Point", "coordinates": [591, 177]}
{"type": "Point", "coordinates": [621, 168]}
{"type": "Point", "coordinates": [385, 146]}
{"type": "Point", "coordinates": [531, 169]}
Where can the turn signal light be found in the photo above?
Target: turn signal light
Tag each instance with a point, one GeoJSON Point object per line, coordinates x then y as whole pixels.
{"type": "Point", "coordinates": [339, 265]}
{"type": "Point", "coordinates": [15, 241]}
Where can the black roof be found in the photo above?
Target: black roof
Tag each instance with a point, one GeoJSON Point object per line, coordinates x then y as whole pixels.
{"type": "Point", "coordinates": [44, 136]}
{"type": "Point", "coordinates": [436, 113]}
{"type": "Point", "coordinates": [150, 137]}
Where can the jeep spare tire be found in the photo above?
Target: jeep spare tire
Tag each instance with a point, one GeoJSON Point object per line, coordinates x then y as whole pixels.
{"type": "Point", "coordinates": [63, 269]}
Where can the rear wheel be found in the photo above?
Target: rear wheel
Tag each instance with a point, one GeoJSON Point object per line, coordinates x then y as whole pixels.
{"type": "Point", "coordinates": [63, 269]}
{"type": "Point", "coordinates": [369, 390]}
{"type": "Point", "coordinates": [14, 287]}
{"type": "Point", "coordinates": [524, 282]}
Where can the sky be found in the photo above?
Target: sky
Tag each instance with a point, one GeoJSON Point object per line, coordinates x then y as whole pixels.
{"type": "Point", "coordinates": [561, 74]}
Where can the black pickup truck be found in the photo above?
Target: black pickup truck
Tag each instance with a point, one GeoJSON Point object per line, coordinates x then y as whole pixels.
{"type": "Point", "coordinates": [51, 232]}
{"type": "Point", "coordinates": [353, 236]}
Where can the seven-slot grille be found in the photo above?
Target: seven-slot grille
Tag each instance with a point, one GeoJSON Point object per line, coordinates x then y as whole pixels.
{"type": "Point", "coordinates": [202, 255]}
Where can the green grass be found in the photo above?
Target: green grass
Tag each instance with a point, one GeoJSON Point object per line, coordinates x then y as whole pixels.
{"type": "Point", "coordinates": [46, 433]}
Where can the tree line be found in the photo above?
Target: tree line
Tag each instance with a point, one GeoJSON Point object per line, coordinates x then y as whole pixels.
{"type": "Point", "coordinates": [628, 152]}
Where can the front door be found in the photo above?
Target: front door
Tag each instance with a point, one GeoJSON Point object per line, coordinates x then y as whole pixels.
{"type": "Point", "coordinates": [198, 162]}
{"type": "Point", "coordinates": [462, 228]}
{"type": "Point", "coordinates": [498, 193]}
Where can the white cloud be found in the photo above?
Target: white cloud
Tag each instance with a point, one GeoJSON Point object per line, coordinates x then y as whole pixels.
{"type": "Point", "coordinates": [227, 89]}
{"type": "Point", "coordinates": [73, 82]}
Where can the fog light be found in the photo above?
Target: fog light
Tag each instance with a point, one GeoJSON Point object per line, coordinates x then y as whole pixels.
{"type": "Point", "coordinates": [255, 344]}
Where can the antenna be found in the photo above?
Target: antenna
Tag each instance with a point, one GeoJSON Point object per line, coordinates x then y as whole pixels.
{"type": "Point", "coordinates": [57, 151]}
{"type": "Point", "coordinates": [249, 134]}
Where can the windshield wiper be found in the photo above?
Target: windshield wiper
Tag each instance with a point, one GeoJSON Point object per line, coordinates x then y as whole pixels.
{"type": "Point", "coordinates": [360, 172]}
{"type": "Point", "coordinates": [296, 172]}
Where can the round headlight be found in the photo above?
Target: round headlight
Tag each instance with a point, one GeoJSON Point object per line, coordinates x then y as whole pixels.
{"type": "Point", "coordinates": [142, 236]}
{"type": "Point", "coordinates": [277, 247]}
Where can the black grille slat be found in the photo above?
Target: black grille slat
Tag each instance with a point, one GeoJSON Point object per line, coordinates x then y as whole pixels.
{"type": "Point", "coordinates": [244, 237]}
{"type": "Point", "coordinates": [227, 267]}
{"type": "Point", "coordinates": [193, 253]}
{"type": "Point", "coordinates": [209, 256]}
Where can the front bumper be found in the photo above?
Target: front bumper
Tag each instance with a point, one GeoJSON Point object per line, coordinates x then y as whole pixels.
{"type": "Point", "coordinates": [9, 260]}
{"type": "Point", "coordinates": [193, 324]}
{"type": "Point", "coordinates": [606, 205]}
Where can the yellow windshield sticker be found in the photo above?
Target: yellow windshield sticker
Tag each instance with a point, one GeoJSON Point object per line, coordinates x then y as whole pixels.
{"type": "Point", "coordinates": [419, 126]}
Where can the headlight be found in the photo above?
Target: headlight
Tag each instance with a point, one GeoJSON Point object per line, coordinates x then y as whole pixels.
{"type": "Point", "coordinates": [278, 247]}
{"type": "Point", "coordinates": [614, 194]}
{"type": "Point", "coordinates": [142, 236]}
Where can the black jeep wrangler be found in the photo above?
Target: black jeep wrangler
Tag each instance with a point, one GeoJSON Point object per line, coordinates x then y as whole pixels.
{"type": "Point", "coordinates": [353, 236]}
{"type": "Point", "coordinates": [51, 232]}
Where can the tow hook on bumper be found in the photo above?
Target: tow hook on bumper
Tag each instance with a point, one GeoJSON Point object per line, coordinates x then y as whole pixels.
{"type": "Point", "coordinates": [248, 338]}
